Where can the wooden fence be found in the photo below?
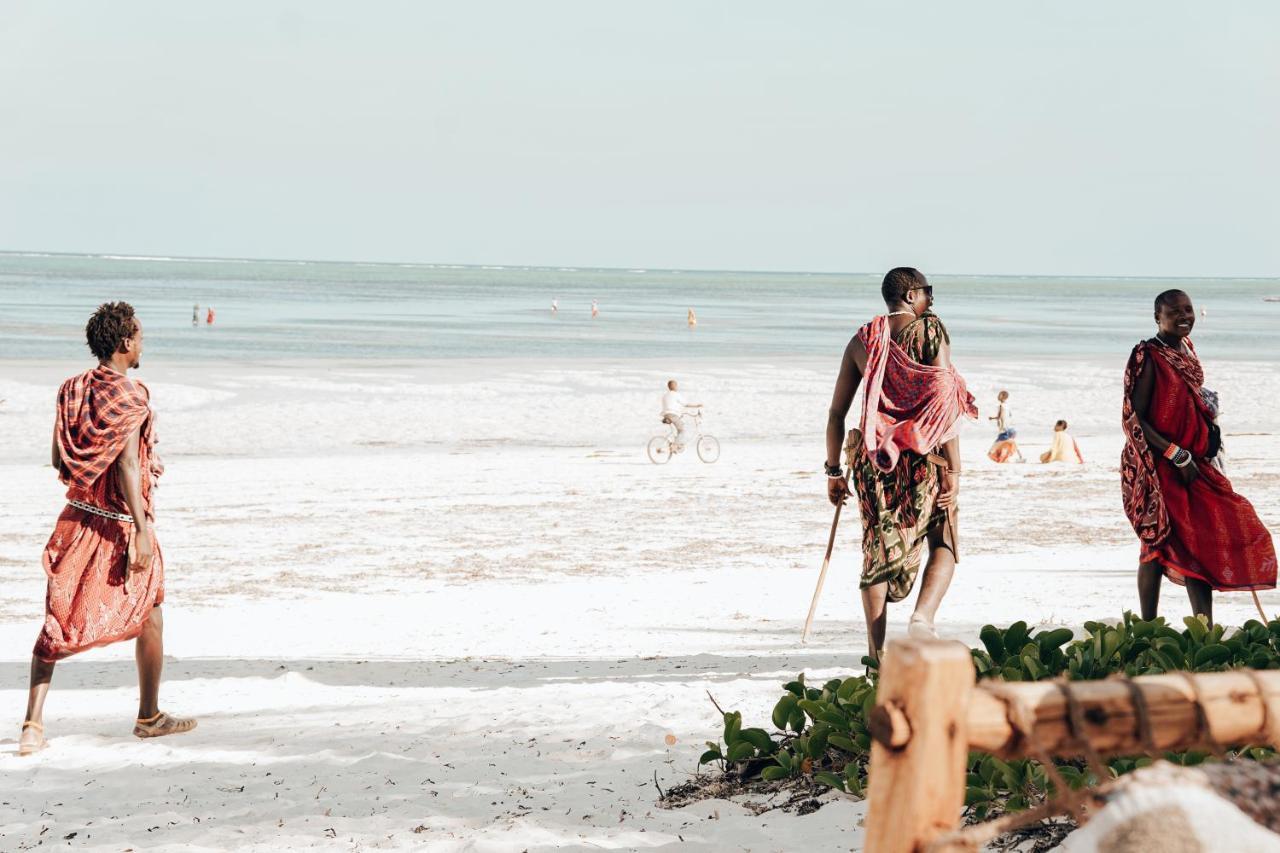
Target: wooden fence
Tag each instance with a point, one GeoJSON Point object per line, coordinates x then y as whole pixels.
{"type": "Point", "coordinates": [929, 713]}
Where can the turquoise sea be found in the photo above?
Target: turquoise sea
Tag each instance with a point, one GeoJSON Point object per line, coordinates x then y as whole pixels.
{"type": "Point", "coordinates": [299, 310]}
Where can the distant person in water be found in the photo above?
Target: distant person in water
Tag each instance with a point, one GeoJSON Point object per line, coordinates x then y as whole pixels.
{"type": "Point", "coordinates": [104, 567]}
{"type": "Point", "coordinates": [195, 315]}
{"type": "Point", "coordinates": [1064, 448]}
{"type": "Point", "coordinates": [692, 320]}
{"type": "Point", "coordinates": [1193, 528]}
{"type": "Point", "coordinates": [209, 317]}
{"type": "Point", "coordinates": [1005, 446]}
{"type": "Point", "coordinates": [674, 411]}
{"type": "Point", "coordinates": [595, 309]}
{"type": "Point", "coordinates": [905, 458]}
{"type": "Point", "coordinates": [555, 305]}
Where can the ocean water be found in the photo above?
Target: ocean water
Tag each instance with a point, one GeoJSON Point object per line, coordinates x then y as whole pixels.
{"type": "Point", "coordinates": [299, 310]}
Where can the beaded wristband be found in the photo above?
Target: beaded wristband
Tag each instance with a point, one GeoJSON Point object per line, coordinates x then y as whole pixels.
{"type": "Point", "coordinates": [1171, 451]}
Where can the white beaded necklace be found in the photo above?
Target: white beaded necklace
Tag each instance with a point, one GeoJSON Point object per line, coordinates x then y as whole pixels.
{"type": "Point", "coordinates": [900, 314]}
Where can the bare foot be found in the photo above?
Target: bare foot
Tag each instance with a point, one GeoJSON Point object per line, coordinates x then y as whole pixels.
{"type": "Point", "coordinates": [31, 739]}
{"type": "Point", "coordinates": [162, 724]}
{"type": "Point", "coordinates": [920, 628]}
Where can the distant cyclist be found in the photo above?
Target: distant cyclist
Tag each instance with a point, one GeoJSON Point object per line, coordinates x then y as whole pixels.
{"type": "Point", "coordinates": [674, 410]}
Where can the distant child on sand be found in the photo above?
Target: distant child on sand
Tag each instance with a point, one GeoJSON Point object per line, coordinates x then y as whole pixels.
{"type": "Point", "coordinates": [195, 315]}
{"type": "Point", "coordinates": [1064, 447]}
{"type": "Point", "coordinates": [1004, 448]}
{"type": "Point", "coordinates": [595, 309]}
{"type": "Point", "coordinates": [693, 319]}
{"type": "Point", "coordinates": [209, 318]}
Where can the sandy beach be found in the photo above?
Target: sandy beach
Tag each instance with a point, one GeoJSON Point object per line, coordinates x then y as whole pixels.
{"type": "Point", "coordinates": [450, 605]}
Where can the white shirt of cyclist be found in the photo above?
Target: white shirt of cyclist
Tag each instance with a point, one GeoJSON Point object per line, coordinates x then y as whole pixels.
{"type": "Point", "coordinates": [672, 404]}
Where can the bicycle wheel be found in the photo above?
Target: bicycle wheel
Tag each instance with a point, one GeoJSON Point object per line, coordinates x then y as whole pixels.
{"type": "Point", "coordinates": [708, 448]}
{"type": "Point", "coordinates": [659, 450]}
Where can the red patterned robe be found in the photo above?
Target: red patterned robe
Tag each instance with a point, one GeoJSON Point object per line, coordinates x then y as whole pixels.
{"type": "Point", "coordinates": [909, 408]}
{"type": "Point", "coordinates": [1205, 530]}
{"type": "Point", "coordinates": [88, 602]}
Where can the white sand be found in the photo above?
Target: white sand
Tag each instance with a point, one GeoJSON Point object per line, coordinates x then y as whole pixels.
{"type": "Point", "coordinates": [452, 606]}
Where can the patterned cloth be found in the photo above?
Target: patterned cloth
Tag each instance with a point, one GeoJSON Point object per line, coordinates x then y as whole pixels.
{"type": "Point", "coordinates": [1205, 530]}
{"type": "Point", "coordinates": [88, 602]}
{"type": "Point", "coordinates": [909, 404]}
{"type": "Point", "coordinates": [898, 506]}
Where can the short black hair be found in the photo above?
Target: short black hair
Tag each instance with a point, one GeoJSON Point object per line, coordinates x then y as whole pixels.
{"type": "Point", "coordinates": [1062, 424]}
{"type": "Point", "coordinates": [110, 325]}
{"type": "Point", "coordinates": [898, 282]}
{"type": "Point", "coordinates": [1167, 297]}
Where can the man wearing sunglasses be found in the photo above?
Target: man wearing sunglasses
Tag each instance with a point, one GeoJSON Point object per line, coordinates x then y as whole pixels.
{"type": "Point", "coordinates": [904, 459]}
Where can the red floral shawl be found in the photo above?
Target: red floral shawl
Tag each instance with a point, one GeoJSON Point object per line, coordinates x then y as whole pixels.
{"type": "Point", "coordinates": [907, 405]}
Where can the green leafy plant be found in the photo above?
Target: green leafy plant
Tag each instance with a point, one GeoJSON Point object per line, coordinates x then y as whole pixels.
{"type": "Point", "coordinates": [821, 733]}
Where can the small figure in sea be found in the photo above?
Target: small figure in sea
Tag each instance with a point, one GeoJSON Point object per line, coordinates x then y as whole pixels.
{"type": "Point", "coordinates": [1193, 527]}
{"type": "Point", "coordinates": [195, 315]}
{"type": "Point", "coordinates": [1064, 448]}
{"type": "Point", "coordinates": [1204, 312]}
{"type": "Point", "coordinates": [209, 317]}
{"type": "Point", "coordinates": [1005, 446]}
{"type": "Point", "coordinates": [692, 320]}
{"type": "Point", "coordinates": [674, 410]}
{"type": "Point", "coordinates": [555, 306]}
{"type": "Point", "coordinates": [104, 567]}
{"type": "Point", "coordinates": [595, 309]}
{"type": "Point", "coordinates": [905, 458]}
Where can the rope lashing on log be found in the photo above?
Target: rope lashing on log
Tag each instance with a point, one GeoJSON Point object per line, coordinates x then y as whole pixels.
{"type": "Point", "coordinates": [925, 699]}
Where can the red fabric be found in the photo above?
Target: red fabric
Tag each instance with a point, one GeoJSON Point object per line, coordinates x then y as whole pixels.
{"type": "Point", "coordinates": [1003, 451]}
{"type": "Point", "coordinates": [1205, 530]}
{"type": "Point", "coordinates": [96, 412]}
{"type": "Point", "coordinates": [907, 405]}
{"type": "Point", "coordinates": [87, 602]}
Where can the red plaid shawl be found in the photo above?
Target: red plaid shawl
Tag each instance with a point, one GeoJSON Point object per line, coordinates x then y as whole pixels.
{"type": "Point", "coordinates": [907, 405]}
{"type": "Point", "coordinates": [97, 411]}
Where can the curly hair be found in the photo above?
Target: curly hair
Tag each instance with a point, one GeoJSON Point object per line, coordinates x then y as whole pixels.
{"type": "Point", "coordinates": [898, 282]}
{"type": "Point", "coordinates": [111, 324]}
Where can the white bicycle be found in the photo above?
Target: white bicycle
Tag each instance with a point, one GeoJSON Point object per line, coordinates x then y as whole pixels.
{"type": "Point", "coordinates": [662, 447]}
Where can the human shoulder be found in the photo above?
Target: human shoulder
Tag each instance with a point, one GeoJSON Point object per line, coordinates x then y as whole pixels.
{"type": "Point", "coordinates": [934, 327]}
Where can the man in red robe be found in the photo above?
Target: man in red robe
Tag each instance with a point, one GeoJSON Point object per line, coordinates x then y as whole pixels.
{"type": "Point", "coordinates": [104, 568]}
{"type": "Point", "coordinates": [1193, 527]}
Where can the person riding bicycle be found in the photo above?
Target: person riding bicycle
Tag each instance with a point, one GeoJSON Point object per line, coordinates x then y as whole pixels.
{"type": "Point", "coordinates": [674, 410]}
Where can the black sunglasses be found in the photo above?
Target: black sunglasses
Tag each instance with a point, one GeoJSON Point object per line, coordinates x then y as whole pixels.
{"type": "Point", "coordinates": [927, 288]}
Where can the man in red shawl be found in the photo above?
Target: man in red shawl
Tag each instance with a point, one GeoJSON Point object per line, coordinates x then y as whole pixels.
{"type": "Point", "coordinates": [905, 460]}
{"type": "Point", "coordinates": [105, 571]}
{"type": "Point", "coordinates": [1193, 527]}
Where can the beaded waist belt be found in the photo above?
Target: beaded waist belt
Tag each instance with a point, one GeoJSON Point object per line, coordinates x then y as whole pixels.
{"type": "Point", "coordinates": [105, 513]}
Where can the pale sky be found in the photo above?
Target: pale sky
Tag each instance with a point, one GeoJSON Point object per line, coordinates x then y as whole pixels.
{"type": "Point", "coordinates": [1079, 138]}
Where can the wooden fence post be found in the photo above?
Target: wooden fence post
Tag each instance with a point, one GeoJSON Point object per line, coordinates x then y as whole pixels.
{"type": "Point", "coordinates": [920, 744]}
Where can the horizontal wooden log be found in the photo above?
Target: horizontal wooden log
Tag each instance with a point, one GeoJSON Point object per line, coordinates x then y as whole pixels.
{"type": "Point", "coordinates": [1235, 711]}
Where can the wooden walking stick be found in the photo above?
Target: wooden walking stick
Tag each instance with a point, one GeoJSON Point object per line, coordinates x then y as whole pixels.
{"type": "Point", "coordinates": [1254, 593]}
{"type": "Point", "coordinates": [822, 575]}
{"type": "Point", "coordinates": [850, 446]}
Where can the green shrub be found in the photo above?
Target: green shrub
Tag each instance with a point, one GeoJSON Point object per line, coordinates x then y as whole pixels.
{"type": "Point", "coordinates": [821, 733]}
